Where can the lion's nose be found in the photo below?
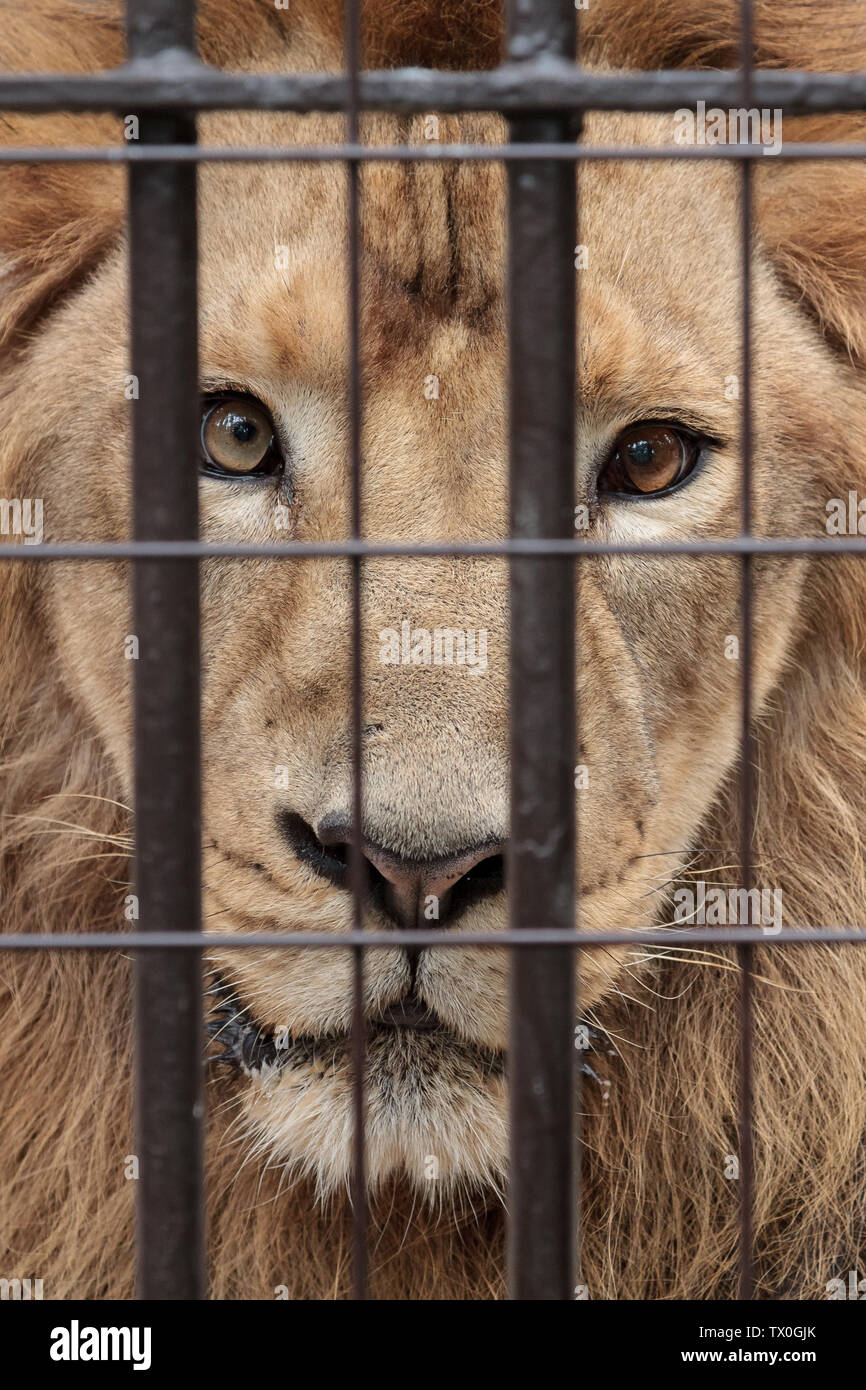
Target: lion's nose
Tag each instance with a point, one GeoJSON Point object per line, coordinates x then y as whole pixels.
{"type": "Point", "coordinates": [419, 893]}
{"type": "Point", "coordinates": [413, 892]}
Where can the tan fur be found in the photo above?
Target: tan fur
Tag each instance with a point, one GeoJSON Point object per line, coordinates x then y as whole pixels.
{"type": "Point", "coordinates": [658, 700]}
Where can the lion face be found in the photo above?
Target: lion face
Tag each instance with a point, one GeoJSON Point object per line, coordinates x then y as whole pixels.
{"type": "Point", "coordinates": [657, 642]}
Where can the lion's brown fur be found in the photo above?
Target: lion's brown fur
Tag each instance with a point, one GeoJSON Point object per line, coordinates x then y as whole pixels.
{"type": "Point", "coordinates": [665, 1226]}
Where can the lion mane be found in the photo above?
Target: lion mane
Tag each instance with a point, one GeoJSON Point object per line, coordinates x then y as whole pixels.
{"type": "Point", "coordinates": [660, 1218]}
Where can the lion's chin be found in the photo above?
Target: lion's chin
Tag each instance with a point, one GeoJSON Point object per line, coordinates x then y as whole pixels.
{"type": "Point", "coordinates": [435, 1112]}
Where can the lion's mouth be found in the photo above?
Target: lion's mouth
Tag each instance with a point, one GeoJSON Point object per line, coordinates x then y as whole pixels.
{"type": "Point", "coordinates": [410, 1012]}
{"type": "Point", "coordinates": [252, 1047]}
{"type": "Point", "coordinates": [407, 1032]}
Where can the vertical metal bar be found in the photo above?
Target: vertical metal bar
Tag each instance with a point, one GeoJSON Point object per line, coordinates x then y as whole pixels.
{"type": "Point", "coordinates": [542, 222]}
{"type": "Point", "coordinates": [357, 864]}
{"type": "Point", "coordinates": [168, 996]}
{"type": "Point", "coordinates": [577, 1179]}
{"type": "Point", "coordinates": [746, 953]}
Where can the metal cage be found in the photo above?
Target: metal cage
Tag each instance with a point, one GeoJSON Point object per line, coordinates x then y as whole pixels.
{"type": "Point", "coordinates": [543, 93]}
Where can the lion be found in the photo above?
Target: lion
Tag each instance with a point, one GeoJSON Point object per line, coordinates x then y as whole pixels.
{"type": "Point", "coordinates": [658, 679]}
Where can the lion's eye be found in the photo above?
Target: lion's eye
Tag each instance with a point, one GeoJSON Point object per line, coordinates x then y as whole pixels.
{"type": "Point", "coordinates": [649, 458]}
{"type": "Point", "coordinates": [238, 438]}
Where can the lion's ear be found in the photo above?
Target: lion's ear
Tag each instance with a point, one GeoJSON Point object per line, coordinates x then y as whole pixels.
{"type": "Point", "coordinates": [56, 220]}
{"type": "Point", "coordinates": [811, 215]}
{"type": "Point", "coordinates": [811, 218]}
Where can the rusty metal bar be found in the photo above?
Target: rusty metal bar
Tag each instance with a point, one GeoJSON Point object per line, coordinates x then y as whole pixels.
{"type": "Point", "coordinates": [746, 952]}
{"type": "Point", "coordinates": [311, 550]}
{"type": "Point", "coordinates": [168, 991]}
{"type": "Point", "coordinates": [180, 83]}
{"type": "Point", "coordinates": [357, 863]}
{"type": "Point", "coordinates": [570, 153]}
{"type": "Point", "coordinates": [532, 936]}
{"type": "Point", "coordinates": [541, 282]}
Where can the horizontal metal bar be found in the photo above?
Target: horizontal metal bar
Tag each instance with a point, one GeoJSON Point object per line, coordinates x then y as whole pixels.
{"type": "Point", "coordinates": [430, 154]}
{"type": "Point", "coordinates": [429, 938]}
{"type": "Point", "coordinates": [179, 83]}
{"type": "Point", "coordinates": [311, 550]}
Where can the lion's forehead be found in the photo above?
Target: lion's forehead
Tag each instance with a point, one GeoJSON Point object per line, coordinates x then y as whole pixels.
{"type": "Point", "coordinates": [433, 265]}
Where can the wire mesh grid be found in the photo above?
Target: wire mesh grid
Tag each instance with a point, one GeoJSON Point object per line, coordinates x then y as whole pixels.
{"type": "Point", "coordinates": [543, 95]}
